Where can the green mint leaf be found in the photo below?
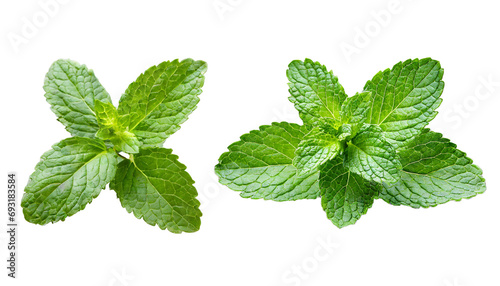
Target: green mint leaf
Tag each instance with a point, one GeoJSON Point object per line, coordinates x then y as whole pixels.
{"type": "Point", "coordinates": [155, 186]}
{"type": "Point", "coordinates": [71, 89]}
{"type": "Point", "coordinates": [346, 132]}
{"type": "Point", "coordinates": [122, 140]}
{"type": "Point", "coordinates": [372, 157]}
{"type": "Point", "coordinates": [434, 172]}
{"type": "Point", "coordinates": [315, 149]}
{"type": "Point", "coordinates": [405, 98]}
{"type": "Point", "coordinates": [106, 114]}
{"type": "Point", "coordinates": [109, 129]}
{"type": "Point", "coordinates": [107, 119]}
{"type": "Point", "coordinates": [354, 112]}
{"type": "Point", "coordinates": [67, 178]}
{"type": "Point", "coordinates": [260, 165]}
{"type": "Point", "coordinates": [345, 196]}
{"type": "Point", "coordinates": [126, 141]}
{"type": "Point", "coordinates": [315, 91]}
{"type": "Point", "coordinates": [154, 106]}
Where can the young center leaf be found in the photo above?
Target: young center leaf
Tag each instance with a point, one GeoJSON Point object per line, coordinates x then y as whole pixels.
{"type": "Point", "coordinates": [106, 115]}
{"type": "Point", "coordinates": [434, 172]}
{"type": "Point", "coordinates": [372, 157]}
{"type": "Point", "coordinates": [154, 106]}
{"type": "Point", "coordinates": [70, 89]}
{"type": "Point", "coordinates": [155, 186]}
{"type": "Point", "coordinates": [404, 98]}
{"type": "Point", "coordinates": [354, 113]}
{"type": "Point", "coordinates": [315, 92]}
{"type": "Point", "coordinates": [260, 165]}
{"type": "Point", "coordinates": [345, 196]}
{"type": "Point", "coordinates": [110, 129]}
{"type": "Point", "coordinates": [67, 178]}
{"type": "Point", "coordinates": [314, 150]}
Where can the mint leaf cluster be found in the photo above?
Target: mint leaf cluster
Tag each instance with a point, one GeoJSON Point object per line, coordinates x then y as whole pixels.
{"type": "Point", "coordinates": [151, 182]}
{"type": "Point", "coordinates": [353, 150]}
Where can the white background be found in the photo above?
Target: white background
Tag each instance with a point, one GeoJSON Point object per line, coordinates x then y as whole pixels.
{"type": "Point", "coordinates": [248, 47]}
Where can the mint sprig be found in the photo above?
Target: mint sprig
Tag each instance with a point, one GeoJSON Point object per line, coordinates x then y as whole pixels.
{"type": "Point", "coordinates": [151, 183]}
{"type": "Point", "coordinates": [353, 150]}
